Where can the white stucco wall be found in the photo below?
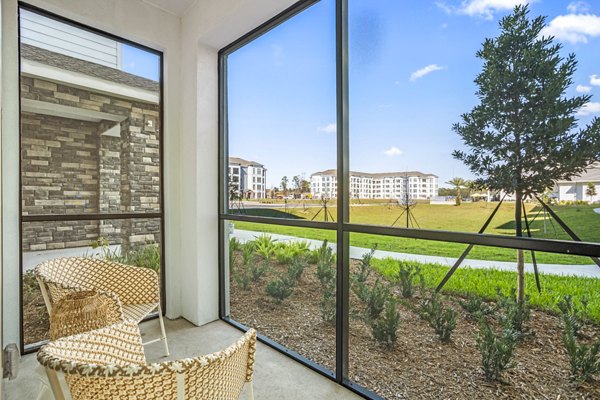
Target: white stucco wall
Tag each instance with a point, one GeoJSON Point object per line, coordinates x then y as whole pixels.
{"type": "Point", "coordinates": [190, 45]}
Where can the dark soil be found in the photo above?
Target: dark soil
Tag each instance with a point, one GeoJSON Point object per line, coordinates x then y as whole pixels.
{"type": "Point", "coordinates": [418, 366]}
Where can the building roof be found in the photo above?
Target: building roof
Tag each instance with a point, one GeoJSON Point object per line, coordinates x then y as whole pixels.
{"type": "Point", "coordinates": [377, 175]}
{"type": "Point", "coordinates": [244, 163]}
{"type": "Point", "coordinates": [65, 62]}
{"type": "Point", "coordinates": [592, 174]}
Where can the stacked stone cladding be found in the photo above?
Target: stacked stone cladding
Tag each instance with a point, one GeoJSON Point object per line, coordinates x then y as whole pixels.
{"type": "Point", "coordinates": [69, 167]}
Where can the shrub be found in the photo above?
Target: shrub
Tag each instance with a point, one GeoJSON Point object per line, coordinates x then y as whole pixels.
{"type": "Point", "coordinates": [496, 350]}
{"type": "Point", "coordinates": [241, 277]}
{"type": "Point", "coordinates": [248, 253]}
{"type": "Point", "coordinates": [376, 297]}
{"type": "Point", "coordinates": [264, 246]}
{"type": "Point", "coordinates": [322, 255]}
{"type": "Point", "coordinates": [441, 319]}
{"type": "Point", "coordinates": [284, 253]}
{"type": "Point", "coordinates": [476, 308]}
{"type": "Point", "coordinates": [406, 276]}
{"type": "Point", "coordinates": [583, 359]}
{"type": "Point", "coordinates": [359, 279]}
{"type": "Point", "coordinates": [516, 313]}
{"type": "Point", "coordinates": [571, 314]}
{"type": "Point", "coordinates": [295, 269]}
{"type": "Point", "coordinates": [234, 244]}
{"type": "Point", "coordinates": [279, 289]}
{"type": "Point", "coordinates": [327, 305]}
{"type": "Point", "coordinates": [325, 273]}
{"type": "Point", "coordinates": [384, 328]}
{"type": "Point", "coordinates": [257, 270]}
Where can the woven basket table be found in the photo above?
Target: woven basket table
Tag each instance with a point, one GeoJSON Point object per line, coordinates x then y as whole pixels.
{"type": "Point", "coordinates": [84, 311]}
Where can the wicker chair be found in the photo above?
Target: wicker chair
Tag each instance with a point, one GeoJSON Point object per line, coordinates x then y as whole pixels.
{"type": "Point", "coordinates": [136, 288]}
{"type": "Point", "coordinates": [109, 364]}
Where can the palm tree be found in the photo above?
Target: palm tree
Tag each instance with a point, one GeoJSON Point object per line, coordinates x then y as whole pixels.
{"type": "Point", "coordinates": [458, 184]}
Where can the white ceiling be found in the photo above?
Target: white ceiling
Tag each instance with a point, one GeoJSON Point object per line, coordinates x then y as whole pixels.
{"type": "Point", "coordinates": [176, 7]}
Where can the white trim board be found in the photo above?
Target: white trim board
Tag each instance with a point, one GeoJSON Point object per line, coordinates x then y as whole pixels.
{"type": "Point", "coordinates": [59, 110]}
{"type": "Point", "coordinates": [86, 82]}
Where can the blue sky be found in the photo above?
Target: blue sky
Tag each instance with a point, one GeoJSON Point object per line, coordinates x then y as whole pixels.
{"type": "Point", "coordinates": [140, 62]}
{"type": "Point", "coordinates": [412, 66]}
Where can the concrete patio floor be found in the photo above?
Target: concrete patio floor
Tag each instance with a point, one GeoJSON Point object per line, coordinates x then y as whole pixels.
{"type": "Point", "coordinates": [275, 377]}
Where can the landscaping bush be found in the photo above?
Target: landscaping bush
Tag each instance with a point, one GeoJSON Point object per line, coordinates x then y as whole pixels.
{"type": "Point", "coordinates": [279, 289]}
{"type": "Point", "coordinates": [327, 305]}
{"type": "Point", "coordinates": [583, 359]}
{"type": "Point", "coordinates": [241, 277]}
{"type": "Point", "coordinates": [496, 349]}
{"type": "Point", "coordinates": [325, 273]}
{"type": "Point", "coordinates": [406, 276]}
{"type": "Point", "coordinates": [264, 245]}
{"type": "Point", "coordinates": [295, 269]}
{"type": "Point", "coordinates": [234, 244]}
{"type": "Point", "coordinates": [441, 319]}
{"type": "Point", "coordinates": [384, 328]}
{"type": "Point", "coordinates": [257, 270]}
{"type": "Point", "coordinates": [476, 308]}
{"type": "Point", "coordinates": [571, 314]}
{"type": "Point", "coordinates": [359, 279]}
{"type": "Point", "coordinates": [515, 314]}
{"type": "Point", "coordinates": [248, 253]}
{"type": "Point", "coordinates": [376, 297]}
{"type": "Point", "coordinates": [322, 255]}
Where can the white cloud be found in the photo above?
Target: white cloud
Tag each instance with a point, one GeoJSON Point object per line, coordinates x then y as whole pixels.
{"type": "Point", "coordinates": [393, 151]}
{"type": "Point", "coordinates": [329, 128]}
{"type": "Point", "coordinates": [573, 28]}
{"type": "Point", "coordinates": [595, 80]}
{"type": "Point", "coordinates": [583, 89]}
{"type": "Point", "coordinates": [577, 7]}
{"type": "Point", "coordinates": [589, 108]}
{"type": "Point", "coordinates": [481, 8]}
{"type": "Point", "coordinates": [424, 71]}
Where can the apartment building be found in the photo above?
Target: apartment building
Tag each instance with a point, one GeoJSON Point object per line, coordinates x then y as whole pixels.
{"type": "Point", "coordinates": [247, 178]}
{"type": "Point", "coordinates": [384, 185]}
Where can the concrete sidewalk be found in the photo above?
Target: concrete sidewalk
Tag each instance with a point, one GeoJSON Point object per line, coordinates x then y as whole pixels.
{"type": "Point", "coordinates": [590, 271]}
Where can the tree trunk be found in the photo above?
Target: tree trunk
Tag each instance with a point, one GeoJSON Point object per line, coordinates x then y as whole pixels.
{"type": "Point", "coordinates": [520, 253]}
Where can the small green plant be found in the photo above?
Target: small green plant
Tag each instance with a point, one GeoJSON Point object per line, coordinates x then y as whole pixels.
{"type": "Point", "coordinates": [248, 253]}
{"type": "Point", "coordinates": [284, 253]}
{"type": "Point", "coordinates": [516, 314]}
{"type": "Point", "coordinates": [279, 289]}
{"type": "Point", "coordinates": [257, 270]}
{"type": "Point", "coordinates": [376, 297]}
{"type": "Point", "coordinates": [476, 308]}
{"type": "Point", "coordinates": [496, 349]}
{"type": "Point", "coordinates": [295, 269]}
{"type": "Point", "coordinates": [234, 244]}
{"type": "Point", "coordinates": [264, 246]}
{"type": "Point", "coordinates": [241, 277]}
{"type": "Point", "coordinates": [571, 314]}
{"type": "Point", "coordinates": [327, 305]}
{"type": "Point", "coordinates": [385, 327]}
{"type": "Point", "coordinates": [147, 256]}
{"type": "Point", "coordinates": [359, 279]}
{"type": "Point", "coordinates": [321, 255]}
{"type": "Point", "coordinates": [441, 319]}
{"type": "Point", "coordinates": [406, 276]}
{"type": "Point", "coordinates": [583, 359]}
{"type": "Point", "coordinates": [325, 273]}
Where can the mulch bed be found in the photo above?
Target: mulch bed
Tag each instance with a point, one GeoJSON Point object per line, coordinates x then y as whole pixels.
{"type": "Point", "coordinates": [418, 366]}
{"type": "Point", "coordinates": [36, 323]}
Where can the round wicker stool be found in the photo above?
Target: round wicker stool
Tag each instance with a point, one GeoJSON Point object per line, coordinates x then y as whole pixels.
{"type": "Point", "coordinates": [84, 311]}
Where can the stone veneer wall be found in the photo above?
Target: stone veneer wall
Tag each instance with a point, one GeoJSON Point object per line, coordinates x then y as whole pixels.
{"type": "Point", "coordinates": [69, 167]}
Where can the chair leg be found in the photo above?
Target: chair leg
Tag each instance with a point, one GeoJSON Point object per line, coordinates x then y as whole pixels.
{"type": "Point", "coordinates": [163, 332]}
{"type": "Point", "coordinates": [55, 384]}
{"type": "Point", "coordinates": [250, 391]}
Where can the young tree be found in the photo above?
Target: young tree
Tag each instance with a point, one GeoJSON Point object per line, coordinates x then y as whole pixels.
{"type": "Point", "coordinates": [458, 184]}
{"type": "Point", "coordinates": [591, 190]}
{"type": "Point", "coordinates": [296, 183]}
{"type": "Point", "coordinates": [284, 185]}
{"type": "Point", "coordinates": [304, 186]}
{"type": "Point", "coordinates": [523, 136]}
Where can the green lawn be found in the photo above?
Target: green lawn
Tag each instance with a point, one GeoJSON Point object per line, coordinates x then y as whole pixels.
{"type": "Point", "coordinates": [466, 218]}
{"type": "Point", "coordinates": [484, 283]}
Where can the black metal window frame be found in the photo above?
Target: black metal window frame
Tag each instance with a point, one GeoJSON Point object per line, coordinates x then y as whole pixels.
{"type": "Point", "coordinates": [92, 216]}
{"type": "Point", "coordinates": [343, 227]}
